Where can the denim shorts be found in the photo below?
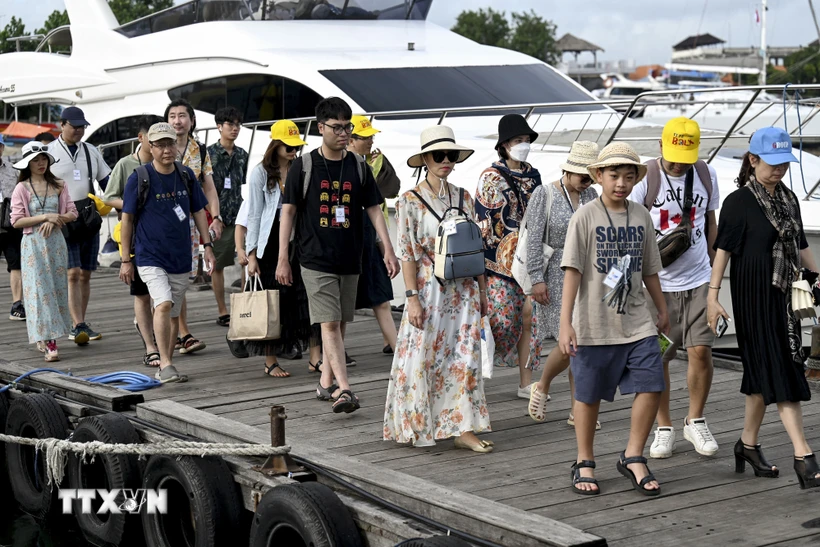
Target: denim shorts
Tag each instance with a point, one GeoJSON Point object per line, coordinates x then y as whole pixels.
{"type": "Point", "coordinates": [83, 254]}
{"type": "Point", "coordinates": [634, 368]}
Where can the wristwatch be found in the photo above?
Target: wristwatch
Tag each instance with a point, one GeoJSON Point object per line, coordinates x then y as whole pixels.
{"type": "Point", "coordinates": [408, 294]}
{"type": "Point", "coordinates": [219, 218]}
{"type": "Point", "coordinates": [209, 244]}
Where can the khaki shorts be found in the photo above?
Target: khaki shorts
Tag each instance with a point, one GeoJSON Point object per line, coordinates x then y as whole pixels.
{"type": "Point", "coordinates": [165, 287]}
{"type": "Point", "coordinates": [687, 316]}
{"type": "Point", "coordinates": [225, 248]}
{"type": "Point", "coordinates": [331, 297]}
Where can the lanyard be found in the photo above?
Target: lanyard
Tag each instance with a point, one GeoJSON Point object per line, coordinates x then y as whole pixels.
{"type": "Point", "coordinates": [569, 201]}
{"type": "Point", "coordinates": [336, 191]}
{"type": "Point", "coordinates": [43, 201]}
{"type": "Point", "coordinates": [609, 218]}
{"type": "Point", "coordinates": [68, 152]}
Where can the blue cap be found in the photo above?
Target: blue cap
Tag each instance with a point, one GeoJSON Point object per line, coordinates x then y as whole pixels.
{"type": "Point", "coordinates": [1, 140]}
{"type": "Point", "coordinates": [773, 145]}
{"type": "Point", "coordinates": [74, 116]}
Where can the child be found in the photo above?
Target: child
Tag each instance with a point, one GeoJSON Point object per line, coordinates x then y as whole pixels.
{"type": "Point", "coordinates": [612, 340]}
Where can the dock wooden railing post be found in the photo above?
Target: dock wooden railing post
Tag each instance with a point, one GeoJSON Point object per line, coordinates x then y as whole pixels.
{"type": "Point", "coordinates": [282, 464]}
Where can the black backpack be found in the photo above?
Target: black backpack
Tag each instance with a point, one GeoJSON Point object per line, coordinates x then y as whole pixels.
{"type": "Point", "coordinates": [144, 185]}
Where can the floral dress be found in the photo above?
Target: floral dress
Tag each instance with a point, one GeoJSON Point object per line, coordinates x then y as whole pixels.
{"type": "Point", "coordinates": [436, 390]}
{"type": "Point", "coordinates": [44, 270]}
{"type": "Point", "coordinates": [561, 211]}
{"type": "Point", "coordinates": [502, 199]}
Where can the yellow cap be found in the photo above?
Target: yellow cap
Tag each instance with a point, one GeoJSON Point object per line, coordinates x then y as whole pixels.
{"type": "Point", "coordinates": [681, 139]}
{"type": "Point", "coordinates": [362, 127]}
{"type": "Point", "coordinates": [287, 132]}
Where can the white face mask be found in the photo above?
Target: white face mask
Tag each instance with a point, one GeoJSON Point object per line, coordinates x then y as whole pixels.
{"type": "Point", "coordinates": [520, 151]}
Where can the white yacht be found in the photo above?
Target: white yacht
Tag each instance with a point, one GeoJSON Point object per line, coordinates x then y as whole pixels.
{"type": "Point", "coordinates": [275, 59]}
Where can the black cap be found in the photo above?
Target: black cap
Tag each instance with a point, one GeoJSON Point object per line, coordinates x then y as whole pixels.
{"type": "Point", "coordinates": [74, 116]}
{"type": "Point", "coordinates": [512, 125]}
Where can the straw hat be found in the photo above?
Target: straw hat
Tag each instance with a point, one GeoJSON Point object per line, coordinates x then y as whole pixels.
{"type": "Point", "coordinates": [30, 151]}
{"type": "Point", "coordinates": [438, 137]}
{"type": "Point", "coordinates": [581, 155]}
{"type": "Point", "coordinates": [617, 153]}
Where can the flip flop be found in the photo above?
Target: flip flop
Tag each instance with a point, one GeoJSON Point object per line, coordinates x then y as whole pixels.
{"type": "Point", "coordinates": [271, 368]}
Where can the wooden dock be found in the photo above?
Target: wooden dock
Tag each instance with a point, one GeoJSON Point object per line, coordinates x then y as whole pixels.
{"type": "Point", "coordinates": [525, 480]}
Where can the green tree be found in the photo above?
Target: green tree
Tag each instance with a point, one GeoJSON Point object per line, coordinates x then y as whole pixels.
{"type": "Point", "coordinates": [485, 27]}
{"type": "Point", "coordinates": [534, 36]}
{"type": "Point", "coordinates": [127, 10]}
{"type": "Point", "coordinates": [15, 27]}
{"type": "Point", "coordinates": [55, 20]}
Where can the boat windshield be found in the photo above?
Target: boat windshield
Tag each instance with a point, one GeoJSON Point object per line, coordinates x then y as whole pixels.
{"type": "Point", "coordinates": [202, 11]}
{"type": "Point", "coordinates": [430, 88]}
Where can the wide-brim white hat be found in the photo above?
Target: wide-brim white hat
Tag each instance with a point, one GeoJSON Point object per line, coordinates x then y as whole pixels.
{"type": "Point", "coordinates": [581, 156]}
{"type": "Point", "coordinates": [438, 137]}
{"type": "Point", "coordinates": [617, 153]}
{"type": "Point", "coordinates": [30, 151]}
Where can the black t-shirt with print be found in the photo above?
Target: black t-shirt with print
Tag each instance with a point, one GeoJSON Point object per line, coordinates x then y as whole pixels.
{"type": "Point", "coordinates": [324, 244]}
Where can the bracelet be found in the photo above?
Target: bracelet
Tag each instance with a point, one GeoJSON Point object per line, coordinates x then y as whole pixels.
{"type": "Point", "coordinates": [125, 262]}
{"type": "Point", "coordinates": [482, 291]}
{"type": "Point", "coordinates": [715, 288]}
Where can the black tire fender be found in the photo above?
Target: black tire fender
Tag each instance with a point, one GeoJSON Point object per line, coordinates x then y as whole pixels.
{"type": "Point", "coordinates": [36, 416]}
{"type": "Point", "coordinates": [106, 471]}
{"type": "Point", "coordinates": [435, 541]}
{"type": "Point", "coordinates": [204, 505]}
{"type": "Point", "coordinates": [303, 514]}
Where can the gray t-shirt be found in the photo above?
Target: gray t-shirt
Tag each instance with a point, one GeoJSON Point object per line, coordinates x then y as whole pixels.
{"type": "Point", "coordinates": [592, 248]}
{"type": "Point", "coordinates": [78, 187]}
{"type": "Point", "coordinates": [8, 178]}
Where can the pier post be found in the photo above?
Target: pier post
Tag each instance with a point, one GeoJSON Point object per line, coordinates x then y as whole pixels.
{"type": "Point", "coordinates": [282, 464]}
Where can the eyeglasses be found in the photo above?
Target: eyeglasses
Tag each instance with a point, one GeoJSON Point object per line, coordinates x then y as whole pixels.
{"type": "Point", "coordinates": [77, 126]}
{"type": "Point", "coordinates": [586, 179]}
{"type": "Point", "coordinates": [451, 155]}
{"type": "Point", "coordinates": [166, 146]}
{"type": "Point", "coordinates": [232, 124]}
{"type": "Point", "coordinates": [340, 129]}
{"type": "Point", "coordinates": [358, 138]}
{"type": "Point", "coordinates": [290, 149]}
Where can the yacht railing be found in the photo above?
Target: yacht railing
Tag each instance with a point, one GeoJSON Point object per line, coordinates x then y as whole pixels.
{"type": "Point", "coordinates": [598, 108]}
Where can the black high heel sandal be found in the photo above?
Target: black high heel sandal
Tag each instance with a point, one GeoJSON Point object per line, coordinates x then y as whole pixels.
{"type": "Point", "coordinates": [806, 469]}
{"type": "Point", "coordinates": [754, 457]}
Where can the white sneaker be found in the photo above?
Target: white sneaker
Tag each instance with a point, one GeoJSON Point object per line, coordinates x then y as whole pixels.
{"type": "Point", "coordinates": [697, 433]}
{"type": "Point", "coordinates": [524, 392]}
{"type": "Point", "coordinates": [664, 443]}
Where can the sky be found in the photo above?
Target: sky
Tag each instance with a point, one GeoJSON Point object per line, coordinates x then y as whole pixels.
{"type": "Point", "coordinates": [639, 30]}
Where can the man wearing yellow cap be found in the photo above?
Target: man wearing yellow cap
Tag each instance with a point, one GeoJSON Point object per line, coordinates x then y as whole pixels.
{"type": "Point", "coordinates": [681, 193]}
{"type": "Point", "coordinates": [375, 290]}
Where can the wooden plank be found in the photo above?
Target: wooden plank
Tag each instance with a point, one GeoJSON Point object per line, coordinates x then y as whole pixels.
{"type": "Point", "coordinates": [494, 522]}
{"type": "Point", "coordinates": [79, 390]}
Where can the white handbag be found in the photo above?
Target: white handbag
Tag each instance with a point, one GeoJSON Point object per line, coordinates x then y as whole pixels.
{"type": "Point", "coordinates": [802, 300]}
{"type": "Point", "coordinates": [519, 264]}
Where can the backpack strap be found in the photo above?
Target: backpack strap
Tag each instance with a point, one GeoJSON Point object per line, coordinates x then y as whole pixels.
{"type": "Point", "coordinates": [360, 164]}
{"type": "Point", "coordinates": [653, 182]}
{"type": "Point", "coordinates": [202, 153]}
{"type": "Point", "coordinates": [307, 169]}
{"type": "Point", "coordinates": [421, 199]}
{"type": "Point", "coordinates": [705, 177]}
{"type": "Point", "coordinates": [143, 186]}
{"type": "Point", "coordinates": [186, 178]}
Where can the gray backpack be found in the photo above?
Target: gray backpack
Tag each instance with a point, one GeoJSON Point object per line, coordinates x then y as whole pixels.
{"type": "Point", "coordinates": [459, 245]}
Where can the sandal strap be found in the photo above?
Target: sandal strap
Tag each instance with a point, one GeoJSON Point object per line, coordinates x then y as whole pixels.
{"type": "Point", "coordinates": [347, 394]}
{"type": "Point", "coordinates": [632, 459]}
{"type": "Point", "coordinates": [591, 480]}
{"type": "Point", "coordinates": [649, 478]}
{"type": "Point", "coordinates": [584, 463]}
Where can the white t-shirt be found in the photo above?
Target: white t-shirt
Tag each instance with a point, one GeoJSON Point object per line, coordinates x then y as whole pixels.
{"type": "Point", "coordinates": [692, 269]}
{"type": "Point", "coordinates": [67, 164]}
{"type": "Point", "coordinates": [242, 215]}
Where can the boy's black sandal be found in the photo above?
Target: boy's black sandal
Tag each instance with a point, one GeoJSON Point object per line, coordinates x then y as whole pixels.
{"type": "Point", "coordinates": [753, 456]}
{"type": "Point", "coordinates": [575, 474]}
{"type": "Point", "coordinates": [623, 461]}
{"type": "Point", "coordinates": [806, 470]}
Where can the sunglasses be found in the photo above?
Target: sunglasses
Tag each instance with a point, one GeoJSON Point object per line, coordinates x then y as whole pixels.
{"type": "Point", "coordinates": [451, 155]}
{"type": "Point", "coordinates": [39, 148]}
{"type": "Point", "coordinates": [290, 149]}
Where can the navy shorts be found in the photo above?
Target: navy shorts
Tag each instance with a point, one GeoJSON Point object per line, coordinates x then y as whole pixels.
{"type": "Point", "coordinates": [83, 254]}
{"type": "Point", "coordinates": [138, 286]}
{"type": "Point", "coordinates": [10, 242]}
{"type": "Point", "coordinates": [634, 368]}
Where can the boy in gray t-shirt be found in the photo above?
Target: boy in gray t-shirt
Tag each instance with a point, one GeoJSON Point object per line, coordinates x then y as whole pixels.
{"type": "Point", "coordinates": [612, 339]}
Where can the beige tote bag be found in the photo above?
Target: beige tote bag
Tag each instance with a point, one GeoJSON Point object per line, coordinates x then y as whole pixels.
{"type": "Point", "coordinates": [255, 313]}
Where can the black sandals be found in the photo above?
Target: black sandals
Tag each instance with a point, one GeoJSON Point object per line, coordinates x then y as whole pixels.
{"type": "Point", "coordinates": [623, 461]}
{"type": "Point", "coordinates": [575, 474]}
{"type": "Point", "coordinates": [807, 470]}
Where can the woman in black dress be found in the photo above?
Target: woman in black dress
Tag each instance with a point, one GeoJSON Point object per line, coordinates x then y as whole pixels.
{"type": "Point", "coordinates": [265, 189]}
{"type": "Point", "coordinates": [762, 232]}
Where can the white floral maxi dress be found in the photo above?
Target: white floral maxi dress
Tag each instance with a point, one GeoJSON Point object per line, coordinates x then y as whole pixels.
{"type": "Point", "coordinates": [436, 390]}
{"type": "Point", "coordinates": [44, 263]}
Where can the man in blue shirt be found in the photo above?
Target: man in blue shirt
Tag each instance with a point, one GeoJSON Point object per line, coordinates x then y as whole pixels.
{"type": "Point", "coordinates": [162, 238]}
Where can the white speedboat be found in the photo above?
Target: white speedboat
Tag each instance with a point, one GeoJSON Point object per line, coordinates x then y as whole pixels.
{"type": "Point", "coordinates": [276, 59]}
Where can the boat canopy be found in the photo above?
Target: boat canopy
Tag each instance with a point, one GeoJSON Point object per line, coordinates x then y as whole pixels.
{"type": "Point", "coordinates": [202, 11]}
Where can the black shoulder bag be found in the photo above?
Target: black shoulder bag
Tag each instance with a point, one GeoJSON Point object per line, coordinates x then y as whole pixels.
{"type": "Point", "coordinates": [675, 243]}
{"type": "Point", "coordinates": [88, 221]}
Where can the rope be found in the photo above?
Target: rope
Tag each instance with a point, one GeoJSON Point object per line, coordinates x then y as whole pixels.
{"type": "Point", "coordinates": [55, 450]}
{"type": "Point", "coordinates": [127, 380]}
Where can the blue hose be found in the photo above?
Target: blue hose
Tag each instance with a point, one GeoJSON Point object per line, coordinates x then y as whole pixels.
{"type": "Point", "coordinates": [127, 380]}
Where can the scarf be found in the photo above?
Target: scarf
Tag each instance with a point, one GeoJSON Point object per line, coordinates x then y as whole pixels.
{"type": "Point", "coordinates": [782, 211]}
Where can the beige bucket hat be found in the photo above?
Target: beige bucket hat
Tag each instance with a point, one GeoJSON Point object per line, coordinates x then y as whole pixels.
{"type": "Point", "coordinates": [581, 156]}
{"type": "Point", "coordinates": [438, 137]}
{"type": "Point", "coordinates": [617, 153]}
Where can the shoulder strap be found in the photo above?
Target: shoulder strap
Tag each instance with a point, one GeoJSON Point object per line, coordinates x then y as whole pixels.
{"type": "Point", "coordinates": [307, 169]}
{"type": "Point", "coordinates": [550, 189]}
{"type": "Point", "coordinates": [653, 183]}
{"type": "Point", "coordinates": [186, 178]}
{"type": "Point", "coordinates": [421, 199]}
{"type": "Point", "coordinates": [360, 164]}
{"type": "Point", "coordinates": [88, 164]}
{"type": "Point", "coordinates": [705, 177]}
{"type": "Point", "coordinates": [143, 185]}
{"type": "Point", "coordinates": [202, 153]}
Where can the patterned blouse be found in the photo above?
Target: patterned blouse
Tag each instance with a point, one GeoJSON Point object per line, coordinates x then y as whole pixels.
{"type": "Point", "coordinates": [500, 208]}
{"type": "Point", "coordinates": [193, 159]}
